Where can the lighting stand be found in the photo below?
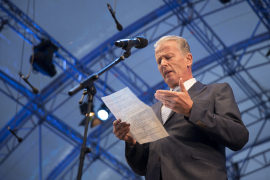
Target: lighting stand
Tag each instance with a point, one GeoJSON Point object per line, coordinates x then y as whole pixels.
{"type": "Point", "coordinates": [91, 91]}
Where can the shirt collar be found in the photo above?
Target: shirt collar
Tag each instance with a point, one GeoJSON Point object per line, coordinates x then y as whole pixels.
{"type": "Point", "coordinates": [188, 84]}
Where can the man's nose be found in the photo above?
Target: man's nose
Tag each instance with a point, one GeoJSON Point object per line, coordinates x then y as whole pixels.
{"type": "Point", "coordinates": [164, 62]}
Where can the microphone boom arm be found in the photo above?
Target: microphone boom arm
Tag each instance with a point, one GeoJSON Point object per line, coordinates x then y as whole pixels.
{"type": "Point", "coordinates": [89, 80]}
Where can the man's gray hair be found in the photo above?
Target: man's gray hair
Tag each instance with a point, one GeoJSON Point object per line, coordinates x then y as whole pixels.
{"type": "Point", "coordinates": [182, 43]}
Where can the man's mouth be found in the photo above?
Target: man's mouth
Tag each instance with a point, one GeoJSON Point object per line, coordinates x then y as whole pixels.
{"type": "Point", "coordinates": [166, 72]}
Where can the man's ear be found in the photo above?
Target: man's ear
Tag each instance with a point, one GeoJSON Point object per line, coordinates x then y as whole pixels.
{"type": "Point", "coordinates": [189, 59]}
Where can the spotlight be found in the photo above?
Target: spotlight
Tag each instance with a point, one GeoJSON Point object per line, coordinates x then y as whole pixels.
{"type": "Point", "coordinates": [43, 54]}
{"type": "Point", "coordinates": [103, 115]}
{"type": "Point", "coordinates": [95, 122]}
{"type": "Point", "coordinates": [103, 112]}
{"type": "Point", "coordinates": [84, 109]}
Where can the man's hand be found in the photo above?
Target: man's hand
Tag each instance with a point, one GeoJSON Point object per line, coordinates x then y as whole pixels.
{"type": "Point", "coordinates": [121, 129]}
{"type": "Point", "coordinates": [179, 102]}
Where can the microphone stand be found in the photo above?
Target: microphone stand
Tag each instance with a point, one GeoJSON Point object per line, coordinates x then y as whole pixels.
{"type": "Point", "coordinates": [91, 91]}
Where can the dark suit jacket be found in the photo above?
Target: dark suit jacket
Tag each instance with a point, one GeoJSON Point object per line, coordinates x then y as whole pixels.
{"type": "Point", "coordinates": [195, 148]}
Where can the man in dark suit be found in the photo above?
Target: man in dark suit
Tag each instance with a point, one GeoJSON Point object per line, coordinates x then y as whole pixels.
{"type": "Point", "coordinates": [201, 121]}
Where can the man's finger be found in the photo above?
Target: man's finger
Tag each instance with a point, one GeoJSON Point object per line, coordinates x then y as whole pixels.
{"type": "Point", "coordinates": [121, 131]}
{"type": "Point", "coordinates": [166, 93]}
{"type": "Point", "coordinates": [163, 97]}
{"type": "Point", "coordinates": [160, 97]}
{"type": "Point", "coordinates": [124, 133]}
{"type": "Point", "coordinates": [168, 105]}
{"type": "Point", "coordinates": [164, 101]}
{"type": "Point", "coordinates": [120, 125]}
{"type": "Point", "coordinates": [116, 130]}
{"type": "Point", "coordinates": [181, 84]}
{"type": "Point", "coordinates": [116, 122]}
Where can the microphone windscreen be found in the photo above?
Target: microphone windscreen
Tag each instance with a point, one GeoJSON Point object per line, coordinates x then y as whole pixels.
{"type": "Point", "coordinates": [35, 90]}
{"type": "Point", "coordinates": [119, 27]}
{"type": "Point", "coordinates": [143, 42]}
{"type": "Point", "coordinates": [20, 139]}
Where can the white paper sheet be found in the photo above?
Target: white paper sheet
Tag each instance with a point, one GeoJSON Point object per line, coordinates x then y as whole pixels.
{"type": "Point", "coordinates": [144, 124]}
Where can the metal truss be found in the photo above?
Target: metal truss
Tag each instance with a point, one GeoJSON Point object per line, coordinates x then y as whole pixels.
{"type": "Point", "coordinates": [152, 33]}
{"type": "Point", "coordinates": [198, 68]}
{"type": "Point", "coordinates": [27, 29]}
{"type": "Point", "coordinates": [106, 53]}
{"type": "Point", "coordinates": [47, 93]}
{"type": "Point", "coordinates": [14, 14]}
{"type": "Point", "coordinates": [162, 85]}
{"type": "Point", "coordinates": [59, 126]}
{"type": "Point", "coordinates": [199, 71]}
{"type": "Point", "coordinates": [251, 164]}
{"type": "Point", "coordinates": [262, 10]}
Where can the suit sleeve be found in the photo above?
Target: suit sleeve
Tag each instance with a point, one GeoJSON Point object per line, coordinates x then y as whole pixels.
{"type": "Point", "coordinates": [224, 125]}
{"type": "Point", "coordinates": [137, 157]}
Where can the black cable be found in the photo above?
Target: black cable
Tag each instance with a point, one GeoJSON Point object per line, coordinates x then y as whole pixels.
{"type": "Point", "coordinates": [35, 90]}
{"type": "Point", "coordinates": [33, 54]}
{"type": "Point", "coordinates": [20, 70]}
{"type": "Point", "coordinates": [114, 6]}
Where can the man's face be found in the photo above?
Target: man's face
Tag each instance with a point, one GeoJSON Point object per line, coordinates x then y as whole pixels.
{"type": "Point", "coordinates": [171, 64]}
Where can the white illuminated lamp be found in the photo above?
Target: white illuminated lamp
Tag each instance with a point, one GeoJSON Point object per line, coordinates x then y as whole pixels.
{"type": "Point", "coordinates": [103, 115]}
{"type": "Point", "coordinates": [103, 112]}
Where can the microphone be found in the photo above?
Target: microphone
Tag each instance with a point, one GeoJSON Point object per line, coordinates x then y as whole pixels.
{"type": "Point", "coordinates": [118, 25]}
{"type": "Point", "coordinates": [35, 90]}
{"type": "Point", "coordinates": [138, 42]}
{"type": "Point", "coordinates": [13, 132]}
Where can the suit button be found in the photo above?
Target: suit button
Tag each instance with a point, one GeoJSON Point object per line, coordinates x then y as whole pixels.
{"type": "Point", "coordinates": [158, 158]}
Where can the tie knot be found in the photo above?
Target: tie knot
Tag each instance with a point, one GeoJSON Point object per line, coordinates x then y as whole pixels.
{"type": "Point", "coordinates": [177, 89]}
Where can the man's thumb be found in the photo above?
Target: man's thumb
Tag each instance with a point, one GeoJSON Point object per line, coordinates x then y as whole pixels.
{"type": "Point", "coordinates": [181, 85]}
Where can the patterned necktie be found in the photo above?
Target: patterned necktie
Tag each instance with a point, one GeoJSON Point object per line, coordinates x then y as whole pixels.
{"type": "Point", "coordinates": [165, 112]}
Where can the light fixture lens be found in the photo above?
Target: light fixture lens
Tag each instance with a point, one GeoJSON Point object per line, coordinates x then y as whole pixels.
{"type": "Point", "coordinates": [103, 115]}
{"type": "Point", "coordinates": [91, 114]}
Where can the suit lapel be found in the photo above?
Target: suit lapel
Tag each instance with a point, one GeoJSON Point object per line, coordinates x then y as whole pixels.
{"type": "Point", "coordinates": [193, 91]}
{"type": "Point", "coordinates": [196, 89]}
{"type": "Point", "coordinates": [171, 114]}
{"type": "Point", "coordinates": [159, 105]}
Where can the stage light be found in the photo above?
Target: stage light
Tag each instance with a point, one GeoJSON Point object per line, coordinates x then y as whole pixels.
{"type": "Point", "coordinates": [95, 122]}
{"type": "Point", "coordinates": [103, 115]}
{"type": "Point", "coordinates": [84, 109]}
{"type": "Point", "coordinates": [103, 112]}
{"type": "Point", "coordinates": [43, 54]}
